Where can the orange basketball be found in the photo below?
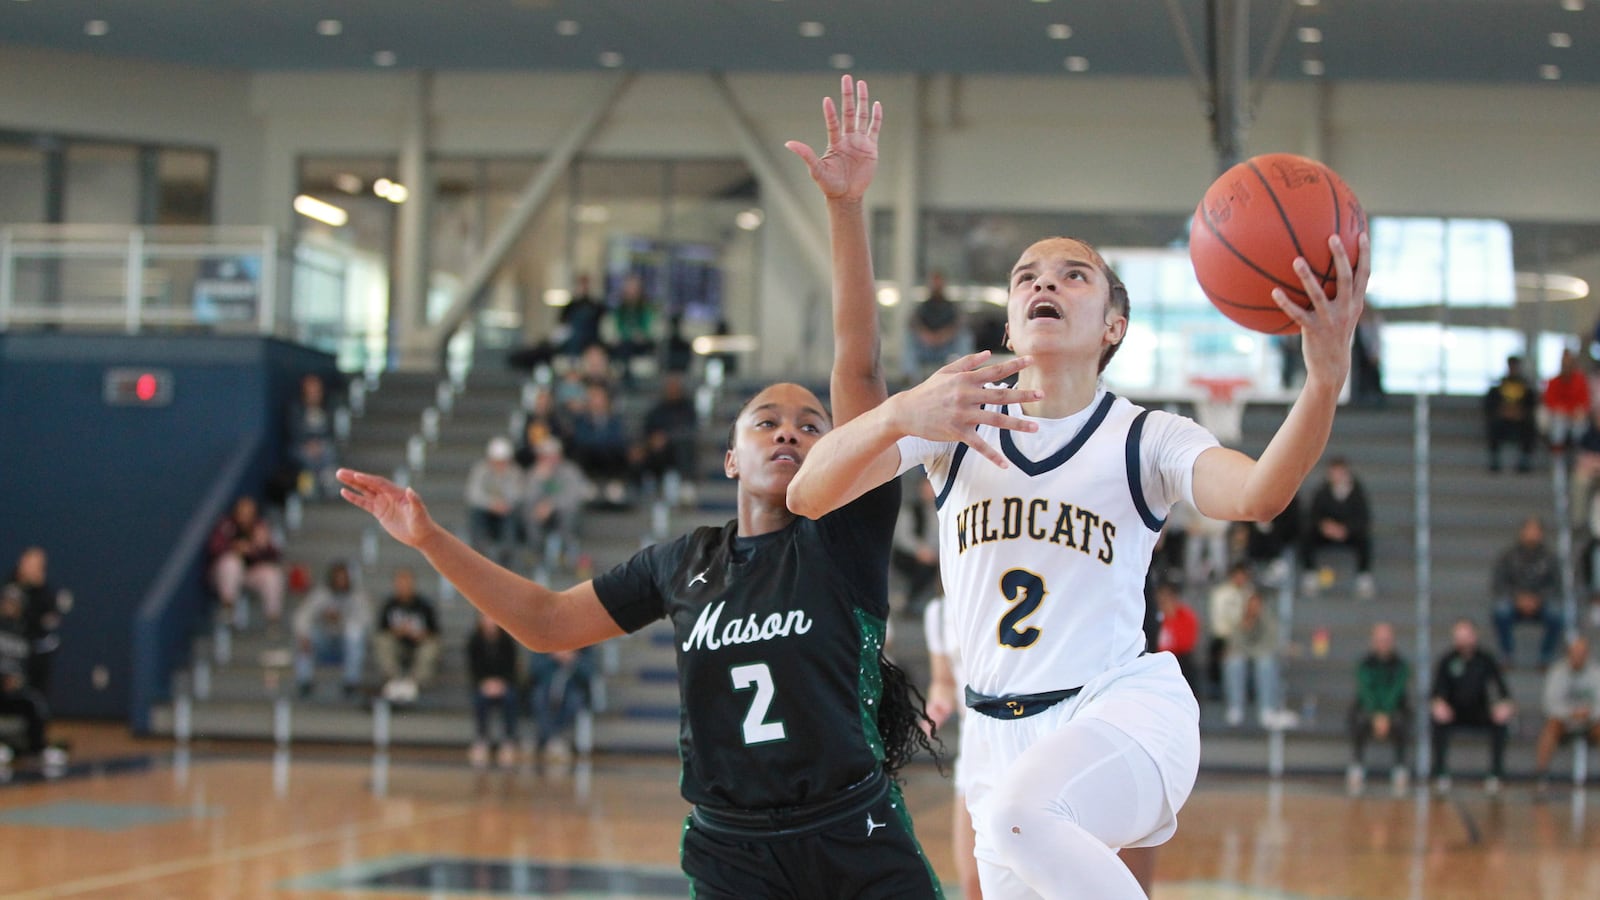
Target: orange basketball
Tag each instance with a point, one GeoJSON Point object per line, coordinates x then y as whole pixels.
{"type": "Point", "coordinates": [1252, 223]}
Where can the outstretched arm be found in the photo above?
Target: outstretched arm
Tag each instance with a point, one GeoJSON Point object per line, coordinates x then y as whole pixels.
{"type": "Point", "coordinates": [855, 458]}
{"type": "Point", "coordinates": [1231, 486]}
{"type": "Point", "coordinates": [542, 619]}
{"type": "Point", "coordinates": [843, 172]}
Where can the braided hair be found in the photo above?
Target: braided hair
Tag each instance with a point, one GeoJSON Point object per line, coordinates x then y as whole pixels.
{"type": "Point", "coordinates": [903, 723]}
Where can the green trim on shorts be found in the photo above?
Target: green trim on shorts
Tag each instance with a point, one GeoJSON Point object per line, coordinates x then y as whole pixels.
{"type": "Point", "coordinates": [897, 802]}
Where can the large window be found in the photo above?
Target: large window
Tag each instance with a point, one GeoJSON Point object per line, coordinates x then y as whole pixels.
{"type": "Point", "coordinates": [54, 179]}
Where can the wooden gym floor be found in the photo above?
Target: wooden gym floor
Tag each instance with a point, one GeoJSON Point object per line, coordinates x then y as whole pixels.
{"type": "Point", "coordinates": [138, 820]}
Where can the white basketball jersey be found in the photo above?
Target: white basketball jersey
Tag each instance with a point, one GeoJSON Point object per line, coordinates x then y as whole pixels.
{"type": "Point", "coordinates": [1044, 562]}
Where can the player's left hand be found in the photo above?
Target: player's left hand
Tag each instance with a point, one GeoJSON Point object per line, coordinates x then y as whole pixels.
{"type": "Point", "coordinates": [1328, 327]}
{"type": "Point", "coordinates": [846, 167]}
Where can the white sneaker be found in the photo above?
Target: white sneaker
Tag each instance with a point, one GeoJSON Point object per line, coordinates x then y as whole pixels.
{"type": "Point", "coordinates": [1310, 584]}
{"type": "Point", "coordinates": [1277, 574]}
{"type": "Point", "coordinates": [558, 750]}
{"type": "Point", "coordinates": [54, 758]}
{"type": "Point", "coordinates": [1234, 717]}
{"type": "Point", "coordinates": [478, 754]}
{"type": "Point", "coordinates": [1366, 588]}
{"type": "Point", "coordinates": [6, 754]}
{"type": "Point", "coordinates": [506, 756]}
{"type": "Point", "coordinates": [1491, 785]}
{"type": "Point", "coordinates": [1441, 785]}
{"type": "Point", "coordinates": [1354, 777]}
{"type": "Point", "coordinates": [1399, 780]}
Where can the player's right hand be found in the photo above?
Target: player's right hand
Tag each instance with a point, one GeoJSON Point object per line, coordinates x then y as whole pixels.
{"type": "Point", "coordinates": [949, 406]}
{"type": "Point", "coordinates": [399, 511]}
{"type": "Point", "coordinates": [941, 704]}
{"type": "Point", "coordinates": [847, 165]}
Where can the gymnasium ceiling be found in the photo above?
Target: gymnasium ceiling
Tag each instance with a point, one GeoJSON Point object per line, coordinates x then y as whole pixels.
{"type": "Point", "coordinates": [1484, 41]}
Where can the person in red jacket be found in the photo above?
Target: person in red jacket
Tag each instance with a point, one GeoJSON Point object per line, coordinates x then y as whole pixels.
{"type": "Point", "coordinates": [1180, 630]}
{"type": "Point", "coordinates": [1566, 403]}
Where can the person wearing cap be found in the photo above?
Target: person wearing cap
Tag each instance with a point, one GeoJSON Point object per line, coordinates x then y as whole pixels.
{"type": "Point", "coordinates": [552, 502]}
{"type": "Point", "coordinates": [494, 497]}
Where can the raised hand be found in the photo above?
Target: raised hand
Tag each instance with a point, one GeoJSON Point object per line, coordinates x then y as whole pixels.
{"type": "Point", "coordinates": [399, 511]}
{"type": "Point", "coordinates": [846, 167]}
{"type": "Point", "coordinates": [949, 405]}
{"type": "Point", "coordinates": [1329, 325]}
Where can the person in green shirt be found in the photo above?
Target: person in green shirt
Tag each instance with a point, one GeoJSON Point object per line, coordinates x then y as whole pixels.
{"type": "Point", "coordinates": [1381, 711]}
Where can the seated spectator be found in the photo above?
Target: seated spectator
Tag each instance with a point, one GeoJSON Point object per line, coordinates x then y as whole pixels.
{"type": "Point", "coordinates": [1340, 517]}
{"type": "Point", "coordinates": [1253, 649]}
{"type": "Point", "coordinates": [245, 554]}
{"type": "Point", "coordinates": [406, 643]}
{"type": "Point", "coordinates": [545, 420]}
{"type": "Point", "coordinates": [559, 687]}
{"type": "Point", "coordinates": [634, 319]}
{"type": "Point", "coordinates": [1566, 403]}
{"type": "Point", "coordinates": [553, 504]}
{"type": "Point", "coordinates": [571, 392]}
{"type": "Point", "coordinates": [1509, 415]}
{"type": "Point", "coordinates": [580, 319]}
{"type": "Point", "coordinates": [1224, 611]}
{"type": "Point", "coordinates": [1526, 588]}
{"type": "Point", "coordinates": [600, 445]}
{"type": "Point", "coordinates": [1268, 544]}
{"type": "Point", "coordinates": [671, 433]}
{"type": "Point", "coordinates": [330, 629]}
{"type": "Point", "coordinates": [42, 609]}
{"type": "Point", "coordinates": [1571, 704]}
{"type": "Point", "coordinates": [1180, 631]}
{"type": "Point", "coordinates": [492, 657]}
{"type": "Point", "coordinates": [1380, 712]}
{"type": "Point", "coordinates": [313, 447]}
{"type": "Point", "coordinates": [494, 490]}
{"type": "Point", "coordinates": [17, 697]}
{"type": "Point", "coordinates": [936, 334]}
{"type": "Point", "coordinates": [915, 552]}
{"type": "Point", "coordinates": [1469, 691]}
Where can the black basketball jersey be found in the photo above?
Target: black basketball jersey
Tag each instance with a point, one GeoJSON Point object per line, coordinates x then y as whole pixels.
{"type": "Point", "coordinates": [777, 642]}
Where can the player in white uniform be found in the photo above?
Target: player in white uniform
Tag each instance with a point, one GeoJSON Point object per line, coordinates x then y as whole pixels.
{"type": "Point", "coordinates": [1085, 743]}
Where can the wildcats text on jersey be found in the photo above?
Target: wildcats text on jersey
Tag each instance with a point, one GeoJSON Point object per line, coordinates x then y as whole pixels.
{"type": "Point", "coordinates": [1036, 519]}
{"type": "Point", "coordinates": [749, 630]}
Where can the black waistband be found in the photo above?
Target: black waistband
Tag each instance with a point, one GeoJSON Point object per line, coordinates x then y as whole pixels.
{"type": "Point", "coordinates": [796, 820]}
{"type": "Point", "coordinates": [1017, 706]}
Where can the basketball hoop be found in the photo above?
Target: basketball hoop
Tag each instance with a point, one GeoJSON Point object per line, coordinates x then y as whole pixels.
{"type": "Point", "coordinates": [1219, 405]}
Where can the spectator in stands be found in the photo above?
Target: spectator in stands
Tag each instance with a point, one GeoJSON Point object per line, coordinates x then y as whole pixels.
{"type": "Point", "coordinates": [406, 642]}
{"type": "Point", "coordinates": [1253, 649]}
{"type": "Point", "coordinates": [1340, 517]}
{"type": "Point", "coordinates": [915, 554]}
{"type": "Point", "coordinates": [1224, 611]}
{"type": "Point", "coordinates": [580, 319]}
{"type": "Point", "coordinates": [17, 696]}
{"type": "Point", "coordinates": [677, 351]}
{"type": "Point", "coordinates": [1526, 588]}
{"type": "Point", "coordinates": [1571, 704]}
{"type": "Point", "coordinates": [545, 420]}
{"type": "Point", "coordinates": [492, 665]}
{"type": "Point", "coordinates": [330, 629]}
{"type": "Point", "coordinates": [936, 334]}
{"type": "Point", "coordinates": [1566, 403]}
{"type": "Point", "coordinates": [671, 429]}
{"type": "Point", "coordinates": [1380, 711]}
{"type": "Point", "coordinates": [1366, 360]}
{"type": "Point", "coordinates": [245, 554]}
{"type": "Point", "coordinates": [1268, 544]}
{"type": "Point", "coordinates": [556, 491]}
{"type": "Point", "coordinates": [42, 608]}
{"type": "Point", "coordinates": [494, 490]}
{"type": "Point", "coordinates": [560, 686]}
{"type": "Point", "coordinates": [1509, 414]}
{"type": "Point", "coordinates": [1469, 691]}
{"type": "Point", "coordinates": [571, 392]}
{"type": "Point", "coordinates": [634, 318]}
{"type": "Point", "coordinates": [313, 447]}
{"type": "Point", "coordinates": [600, 446]}
{"type": "Point", "coordinates": [1180, 631]}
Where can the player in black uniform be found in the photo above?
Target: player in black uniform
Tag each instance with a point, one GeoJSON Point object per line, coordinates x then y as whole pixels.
{"type": "Point", "coordinates": [792, 722]}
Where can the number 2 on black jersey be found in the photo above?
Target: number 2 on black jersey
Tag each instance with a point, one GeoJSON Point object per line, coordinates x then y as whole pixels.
{"type": "Point", "coordinates": [1026, 591]}
{"type": "Point", "coordinates": [756, 729]}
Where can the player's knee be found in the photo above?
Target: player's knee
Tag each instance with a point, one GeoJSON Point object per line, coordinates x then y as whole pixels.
{"type": "Point", "coordinates": [1023, 818]}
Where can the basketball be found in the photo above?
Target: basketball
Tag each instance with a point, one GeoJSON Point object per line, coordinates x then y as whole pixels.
{"type": "Point", "coordinates": [1252, 223]}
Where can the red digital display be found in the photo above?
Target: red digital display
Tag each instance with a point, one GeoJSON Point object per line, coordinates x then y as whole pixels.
{"type": "Point", "coordinates": [144, 387]}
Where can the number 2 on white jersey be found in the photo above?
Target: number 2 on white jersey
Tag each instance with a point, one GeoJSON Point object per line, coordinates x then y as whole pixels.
{"type": "Point", "coordinates": [1026, 590]}
{"type": "Point", "coordinates": [756, 729]}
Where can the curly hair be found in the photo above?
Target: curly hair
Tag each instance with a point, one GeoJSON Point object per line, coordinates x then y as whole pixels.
{"type": "Point", "coordinates": [903, 723]}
